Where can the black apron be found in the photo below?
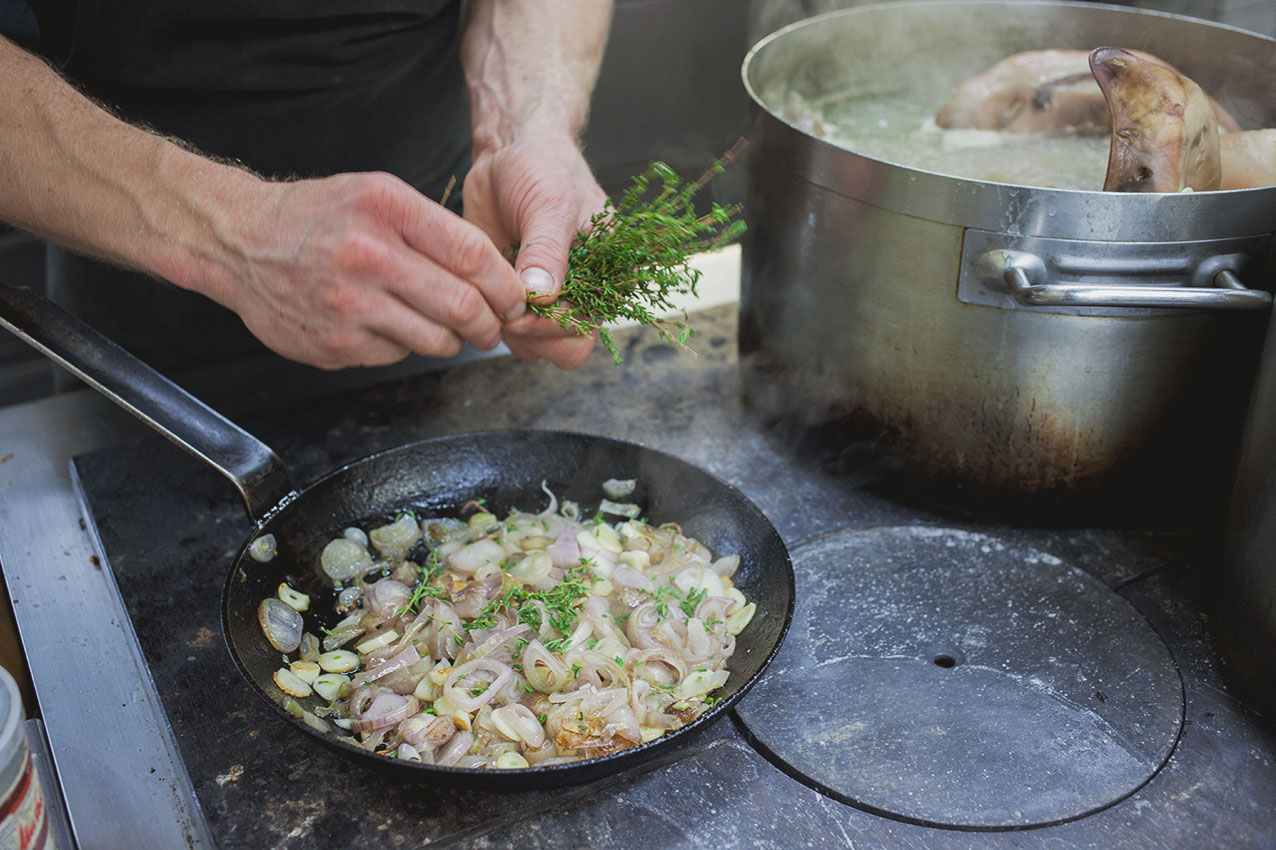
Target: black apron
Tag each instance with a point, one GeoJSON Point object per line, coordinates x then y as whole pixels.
{"type": "Point", "coordinates": [291, 88]}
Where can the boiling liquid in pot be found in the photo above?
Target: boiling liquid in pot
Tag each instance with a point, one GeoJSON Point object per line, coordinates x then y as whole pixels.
{"type": "Point", "coordinates": [890, 128]}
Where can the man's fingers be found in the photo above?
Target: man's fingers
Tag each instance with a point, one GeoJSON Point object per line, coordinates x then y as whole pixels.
{"type": "Point", "coordinates": [543, 247]}
{"type": "Point", "coordinates": [359, 348]}
{"type": "Point", "coordinates": [467, 252]}
{"type": "Point", "coordinates": [446, 299]}
{"type": "Point", "coordinates": [386, 331]}
{"type": "Point", "coordinates": [540, 327]}
{"type": "Point", "coordinates": [379, 352]}
{"type": "Point", "coordinates": [393, 277]}
{"type": "Point", "coordinates": [564, 352]}
{"type": "Point", "coordinates": [402, 325]}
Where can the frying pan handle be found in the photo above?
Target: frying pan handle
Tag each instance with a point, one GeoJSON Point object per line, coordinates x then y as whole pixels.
{"type": "Point", "coordinates": [1024, 275]}
{"type": "Point", "coordinates": [251, 465]}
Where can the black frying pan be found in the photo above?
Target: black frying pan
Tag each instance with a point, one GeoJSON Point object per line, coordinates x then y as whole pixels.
{"type": "Point", "coordinates": [436, 477]}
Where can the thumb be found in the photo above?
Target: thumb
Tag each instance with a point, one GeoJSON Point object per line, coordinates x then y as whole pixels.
{"type": "Point", "coordinates": [542, 253]}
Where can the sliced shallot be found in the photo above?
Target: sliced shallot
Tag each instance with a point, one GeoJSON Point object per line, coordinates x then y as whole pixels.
{"type": "Point", "coordinates": [474, 683]}
{"type": "Point", "coordinates": [454, 749]}
{"type": "Point", "coordinates": [281, 623]}
{"type": "Point", "coordinates": [517, 723]}
{"type": "Point", "coordinates": [387, 597]}
{"type": "Point", "coordinates": [405, 657]}
{"type": "Point", "coordinates": [374, 708]}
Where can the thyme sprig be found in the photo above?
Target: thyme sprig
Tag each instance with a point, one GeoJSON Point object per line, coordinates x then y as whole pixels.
{"type": "Point", "coordinates": [634, 256]}
{"type": "Point", "coordinates": [423, 588]}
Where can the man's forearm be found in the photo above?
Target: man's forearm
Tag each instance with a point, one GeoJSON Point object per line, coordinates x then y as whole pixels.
{"type": "Point", "coordinates": [351, 269]}
{"type": "Point", "coordinates": [74, 174]}
{"type": "Point", "coordinates": [530, 66]}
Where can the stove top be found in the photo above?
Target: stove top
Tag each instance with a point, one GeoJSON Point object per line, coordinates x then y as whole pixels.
{"type": "Point", "coordinates": [1055, 687]}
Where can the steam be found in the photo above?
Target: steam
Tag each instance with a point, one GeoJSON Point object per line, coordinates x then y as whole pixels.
{"type": "Point", "coordinates": [767, 16]}
{"type": "Point", "coordinates": [942, 51]}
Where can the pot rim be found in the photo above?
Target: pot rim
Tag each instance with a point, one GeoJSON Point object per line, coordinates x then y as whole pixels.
{"type": "Point", "coordinates": [1002, 207]}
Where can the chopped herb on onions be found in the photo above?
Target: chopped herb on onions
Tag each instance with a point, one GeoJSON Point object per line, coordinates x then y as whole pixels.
{"type": "Point", "coordinates": [507, 643]}
{"type": "Point", "coordinates": [423, 589]}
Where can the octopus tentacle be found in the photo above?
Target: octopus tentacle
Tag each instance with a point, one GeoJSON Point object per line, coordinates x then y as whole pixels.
{"type": "Point", "coordinates": [1164, 133]}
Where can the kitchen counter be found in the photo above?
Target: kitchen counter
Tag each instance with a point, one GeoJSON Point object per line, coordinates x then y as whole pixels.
{"type": "Point", "coordinates": [142, 763]}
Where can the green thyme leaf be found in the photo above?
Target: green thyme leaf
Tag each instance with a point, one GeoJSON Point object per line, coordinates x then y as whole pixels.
{"type": "Point", "coordinates": [423, 587]}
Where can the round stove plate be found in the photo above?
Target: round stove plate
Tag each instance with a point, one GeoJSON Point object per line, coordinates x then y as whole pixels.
{"type": "Point", "coordinates": [954, 679]}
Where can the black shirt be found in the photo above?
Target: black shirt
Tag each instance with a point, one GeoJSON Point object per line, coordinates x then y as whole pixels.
{"type": "Point", "coordinates": [291, 88]}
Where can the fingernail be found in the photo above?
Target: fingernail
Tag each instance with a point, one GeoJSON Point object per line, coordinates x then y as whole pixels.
{"type": "Point", "coordinates": [535, 281]}
{"type": "Point", "coordinates": [538, 280]}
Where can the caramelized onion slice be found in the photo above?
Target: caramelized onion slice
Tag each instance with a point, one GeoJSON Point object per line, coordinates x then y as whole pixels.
{"type": "Point", "coordinates": [372, 708]}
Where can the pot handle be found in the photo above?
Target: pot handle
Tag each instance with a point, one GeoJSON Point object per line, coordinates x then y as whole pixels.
{"type": "Point", "coordinates": [1025, 277]}
{"type": "Point", "coordinates": [254, 469]}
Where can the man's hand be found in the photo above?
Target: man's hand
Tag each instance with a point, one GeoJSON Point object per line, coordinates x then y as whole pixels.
{"type": "Point", "coordinates": [536, 193]}
{"type": "Point", "coordinates": [530, 67]}
{"type": "Point", "coordinates": [361, 270]}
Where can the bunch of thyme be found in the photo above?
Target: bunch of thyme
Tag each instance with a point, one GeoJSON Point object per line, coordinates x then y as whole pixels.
{"type": "Point", "coordinates": [634, 256]}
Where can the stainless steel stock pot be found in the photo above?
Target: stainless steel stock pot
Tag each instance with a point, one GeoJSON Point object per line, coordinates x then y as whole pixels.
{"type": "Point", "coordinates": [991, 338]}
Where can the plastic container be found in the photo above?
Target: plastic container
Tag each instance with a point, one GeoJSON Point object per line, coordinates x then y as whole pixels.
{"type": "Point", "coordinates": [24, 820]}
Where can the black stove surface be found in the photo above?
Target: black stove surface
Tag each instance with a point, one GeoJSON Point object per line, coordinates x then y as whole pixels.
{"type": "Point", "coordinates": [170, 529]}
